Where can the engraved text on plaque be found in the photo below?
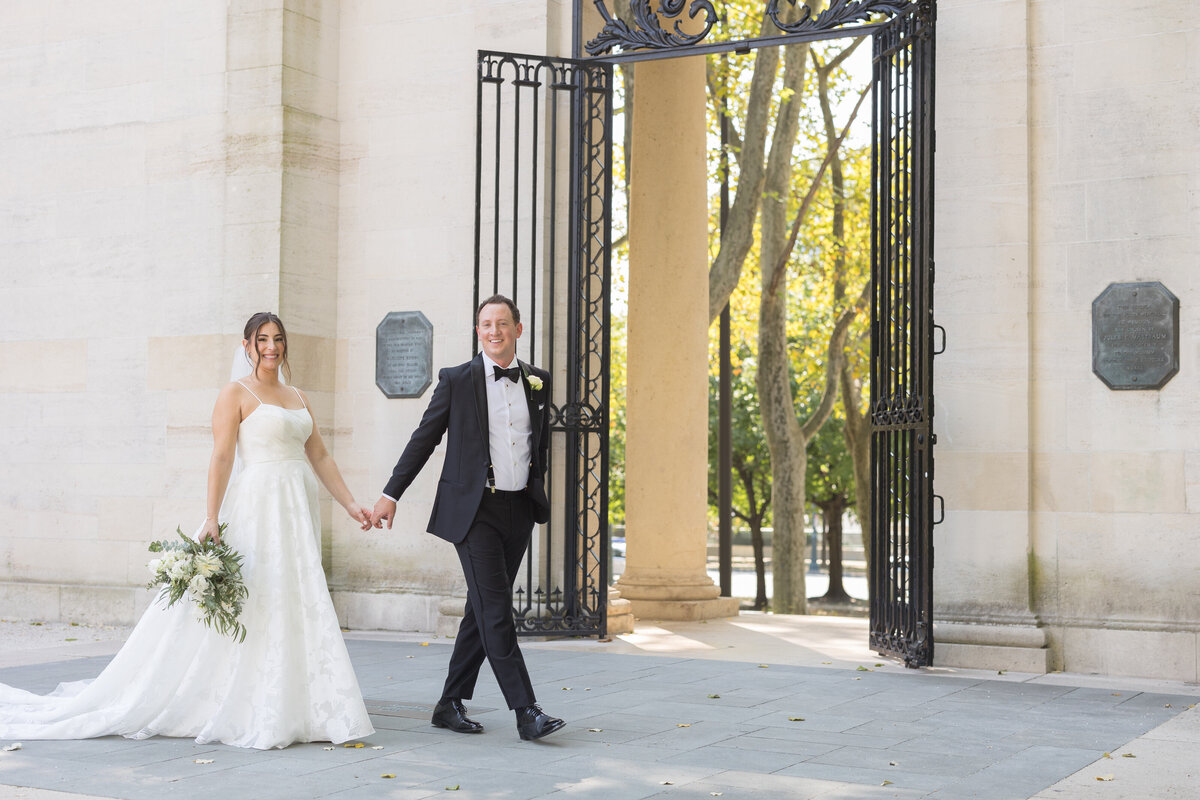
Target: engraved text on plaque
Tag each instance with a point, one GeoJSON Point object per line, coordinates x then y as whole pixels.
{"type": "Point", "coordinates": [1135, 335]}
{"type": "Point", "coordinates": [403, 354]}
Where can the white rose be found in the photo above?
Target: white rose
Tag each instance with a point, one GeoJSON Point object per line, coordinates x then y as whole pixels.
{"type": "Point", "coordinates": [180, 568]}
{"type": "Point", "coordinates": [154, 566]}
{"type": "Point", "coordinates": [207, 565]}
{"type": "Point", "coordinates": [198, 586]}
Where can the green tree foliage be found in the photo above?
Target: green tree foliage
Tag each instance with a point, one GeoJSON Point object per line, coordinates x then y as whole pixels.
{"type": "Point", "coordinates": [751, 461]}
{"type": "Point", "coordinates": [616, 423]}
{"type": "Point", "coordinates": [830, 487]}
{"type": "Point", "coordinates": [808, 298]}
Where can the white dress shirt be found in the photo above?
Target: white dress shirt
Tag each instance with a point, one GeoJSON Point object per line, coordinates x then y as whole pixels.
{"type": "Point", "coordinates": [510, 435]}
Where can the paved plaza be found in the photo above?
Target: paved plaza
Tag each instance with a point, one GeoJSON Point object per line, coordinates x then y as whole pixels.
{"type": "Point", "coordinates": [753, 707]}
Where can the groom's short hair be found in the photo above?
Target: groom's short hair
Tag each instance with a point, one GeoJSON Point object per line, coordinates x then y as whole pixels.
{"type": "Point", "coordinates": [499, 298]}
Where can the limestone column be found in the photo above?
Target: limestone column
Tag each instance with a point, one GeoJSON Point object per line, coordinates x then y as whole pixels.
{"type": "Point", "coordinates": [666, 448]}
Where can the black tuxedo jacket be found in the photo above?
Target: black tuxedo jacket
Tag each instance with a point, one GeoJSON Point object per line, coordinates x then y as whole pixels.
{"type": "Point", "coordinates": [459, 410]}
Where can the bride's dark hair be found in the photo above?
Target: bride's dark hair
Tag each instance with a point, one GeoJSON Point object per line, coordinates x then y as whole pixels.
{"type": "Point", "coordinates": [253, 325]}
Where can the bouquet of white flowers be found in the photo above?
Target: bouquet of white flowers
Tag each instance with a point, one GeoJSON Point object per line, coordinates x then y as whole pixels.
{"type": "Point", "coordinates": [210, 573]}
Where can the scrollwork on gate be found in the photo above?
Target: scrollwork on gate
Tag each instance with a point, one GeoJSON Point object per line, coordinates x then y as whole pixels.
{"type": "Point", "coordinates": [839, 13]}
{"type": "Point", "coordinates": [648, 33]}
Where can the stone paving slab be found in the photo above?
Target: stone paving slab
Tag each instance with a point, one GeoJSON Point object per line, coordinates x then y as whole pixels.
{"type": "Point", "coordinates": [820, 732]}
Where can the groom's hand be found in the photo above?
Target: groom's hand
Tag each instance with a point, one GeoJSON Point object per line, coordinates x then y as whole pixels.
{"type": "Point", "coordinates": [384, 509]}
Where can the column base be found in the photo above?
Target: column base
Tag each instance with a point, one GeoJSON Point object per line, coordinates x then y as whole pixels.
{"type": "Point", "coordinates": [450, 616]}
{"type": "Point", "coordinates": [1019, 648]}
{"type": "Point", "coordinates": [620, 613]}
{"type": "Point", "coordinates": [686, 610]}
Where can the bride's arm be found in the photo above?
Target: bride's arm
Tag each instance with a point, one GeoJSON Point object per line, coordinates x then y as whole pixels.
{"type": "Point", "coordinates": [327, 471]}
{"type": "Point", "coordinates": [227, 415]}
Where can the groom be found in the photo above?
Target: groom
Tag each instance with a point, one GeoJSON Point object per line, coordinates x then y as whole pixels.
{"type": "Point", "coordinates": [492, 491]}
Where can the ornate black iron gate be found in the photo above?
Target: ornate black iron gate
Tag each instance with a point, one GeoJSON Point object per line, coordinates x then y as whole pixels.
{"type": "Point", "coordinates": [542, 236]}
{"type": "Point", "coordinates": [902, 340]}
{"type": "Point", "coordinates": [543, 205]}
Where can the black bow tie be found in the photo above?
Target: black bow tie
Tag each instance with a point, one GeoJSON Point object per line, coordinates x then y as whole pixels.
{"type": "Point", "coordinates": [512, 373]}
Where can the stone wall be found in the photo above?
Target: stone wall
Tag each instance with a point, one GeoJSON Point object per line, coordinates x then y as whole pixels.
{"type": "Point", "coordinates": [168, 172]}
{"type": "Point", "coordinates": [1067, 160]}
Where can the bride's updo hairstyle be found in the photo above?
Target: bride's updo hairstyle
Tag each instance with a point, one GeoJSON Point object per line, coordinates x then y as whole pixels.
{"type": "Point", "coordinates": [253, 325]}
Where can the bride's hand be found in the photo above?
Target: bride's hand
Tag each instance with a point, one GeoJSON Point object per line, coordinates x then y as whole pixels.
{"type": "Point", "coordinates": [211, 530]}
{"type": "Point", "coordinates": [361, 515]}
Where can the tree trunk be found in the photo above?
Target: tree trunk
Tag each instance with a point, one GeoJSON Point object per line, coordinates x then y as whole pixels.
{"type": "Point", "coordinates": [760, 565]}
{"type": "Point", "coordinates": [858, 441]}
{"type": "Point", "coordinates": [754, 519]}
{"type": "Point", "coordinates": [857, 430]}
{"type": "Point", "coordinates": [832, 511]}
{"type": "Point", "coordinates": [785, 440]}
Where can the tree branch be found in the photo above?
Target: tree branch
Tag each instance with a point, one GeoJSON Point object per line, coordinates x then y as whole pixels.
{"type": "Point", "coordinates": [738, 234]}
{"type": "Point", "coordinates": [810, 195]}
{"type": "Point", "coordinates": [835, 355]}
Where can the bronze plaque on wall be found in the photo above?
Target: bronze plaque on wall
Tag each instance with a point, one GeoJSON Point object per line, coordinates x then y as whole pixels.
{"type": "Point", "coordinates": [1135, 335]}
{"type": "Point", "coordinates": [404, 354]}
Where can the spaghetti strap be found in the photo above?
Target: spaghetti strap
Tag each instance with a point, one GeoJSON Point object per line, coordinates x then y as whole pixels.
{"type": "Point", "coordinates": [252, 394]}
{"type": "Point", "coordinates": [297, 391]}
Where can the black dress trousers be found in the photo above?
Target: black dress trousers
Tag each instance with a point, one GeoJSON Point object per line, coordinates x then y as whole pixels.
{"type": "Point", "coordinates": [491, 555]}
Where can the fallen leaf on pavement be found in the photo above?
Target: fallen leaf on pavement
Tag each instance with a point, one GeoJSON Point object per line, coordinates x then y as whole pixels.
{"type": "Point", "coordinates": [376, 747]}
{"type": "Point", "coordinates": [1104, 777]}
{"type": "Point", "coordinates": [595, 730]}
{"type": "Point", "coordinates": [388, 775]}
{"type": "Point", "coordinates": [202, 761]}
{"type": "Point", "coordinates": [1128, 755]}
{"type": "Point", "coordinates": [861, 668]}
{"type": "Point", "coordinates": [762, 666]}
{"type": "Point", "coordinates": [665, 783]}
{"type": "Point", "coordinates": [327, 748]}
{"type": "Point", "coordinates": [683, 724]}
{"type": "Point", "coordinates": [453, 788]}
{"type": "Point", "coordinates": [714, 697]}
{"type": "Point", "coordinates": [886, 783]}
{"type": "Point", "coordinates": [1108, 755]}
{"type": "Point", "coordinates": [355, 745]}
{"type": "Point", "coordinates": [795, 719]}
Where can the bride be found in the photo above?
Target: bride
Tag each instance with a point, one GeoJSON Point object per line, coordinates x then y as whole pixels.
{"type": "Point", "coordinates": [291, 679]}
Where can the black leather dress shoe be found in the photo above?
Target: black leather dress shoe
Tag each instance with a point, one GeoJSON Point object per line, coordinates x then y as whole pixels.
{"type": "Point", "coordinates": [452, 715]}
{"type": "Point", "coordinates": [533, 723]}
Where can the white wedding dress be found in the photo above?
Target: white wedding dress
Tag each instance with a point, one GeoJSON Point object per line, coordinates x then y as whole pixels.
{"type": "Point", "coordinates": [290, 680]}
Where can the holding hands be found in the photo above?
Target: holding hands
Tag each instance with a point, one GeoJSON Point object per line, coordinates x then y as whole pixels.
{"type": "Point", "coordinates": [360, 514]}
{"type": "Point", "coordinates": [385, 508]}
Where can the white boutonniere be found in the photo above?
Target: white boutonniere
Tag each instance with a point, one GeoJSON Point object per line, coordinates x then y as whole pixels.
{"type": "Point", "coordinates": [535, 382]}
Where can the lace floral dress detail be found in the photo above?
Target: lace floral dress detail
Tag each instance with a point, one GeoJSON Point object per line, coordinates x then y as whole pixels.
{"type": "Point", "coordinates": [290, 681]}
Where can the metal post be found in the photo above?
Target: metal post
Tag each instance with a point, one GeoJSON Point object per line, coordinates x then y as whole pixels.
{"type": "Point", "coordinates": [725, 400]}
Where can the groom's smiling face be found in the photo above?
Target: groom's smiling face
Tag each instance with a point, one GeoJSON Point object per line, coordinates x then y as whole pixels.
{"type": "Point", "coordinates": [498, 333]}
